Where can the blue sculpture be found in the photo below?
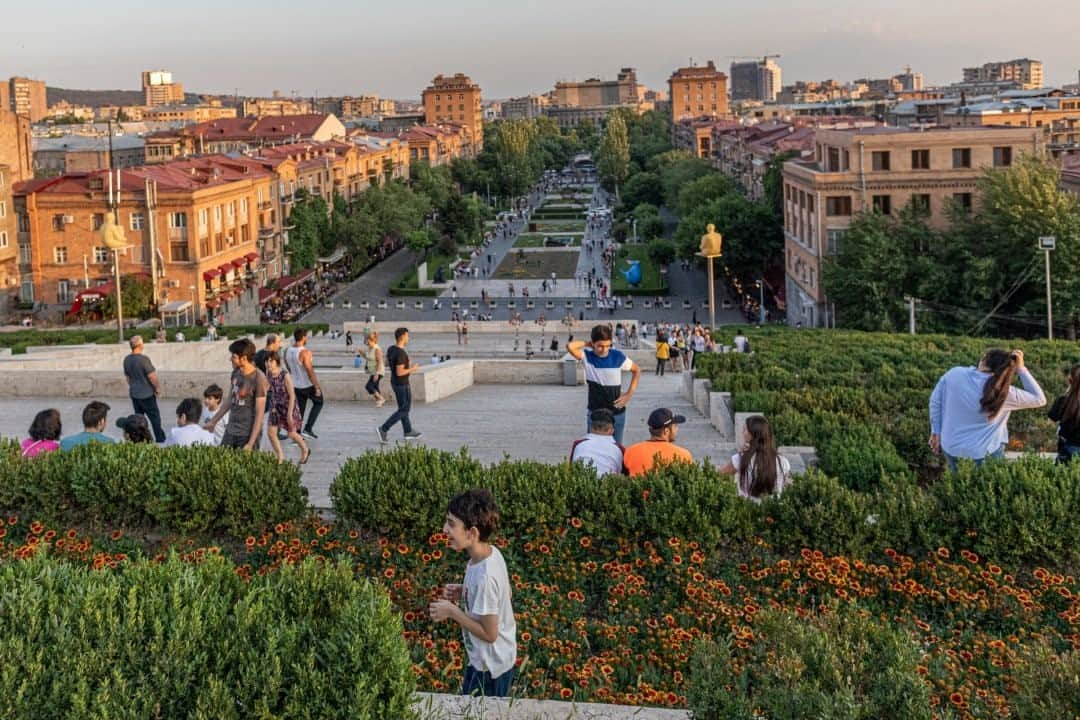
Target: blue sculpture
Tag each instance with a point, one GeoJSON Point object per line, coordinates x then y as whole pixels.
{"type": "Point", "coordinates": [633, 273]}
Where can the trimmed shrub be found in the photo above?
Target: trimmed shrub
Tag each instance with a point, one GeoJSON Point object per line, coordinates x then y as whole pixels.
{"type": "Point", "coordinates": [859, 455]}
{"type": "Point", "coordinates": [837, 664]}
{"type": "Point", "coordinates": [183, 640]}
{"type": "Point", "coordinates": [397, 491]}
{"type": "Point", "coordinates": [1023, 511]}
{"type": "Point", "coordinates": [1048, 685]}
{"type": "Point", "coordinates": [817, 511]}
{"type": "Point", "coordinates": [184, 489]}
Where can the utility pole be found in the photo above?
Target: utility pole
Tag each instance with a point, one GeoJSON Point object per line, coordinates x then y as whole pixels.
{"type": "Point", "coordinates": [1048, 243]}
{"type": "Point", "coordinates": [911, 315]}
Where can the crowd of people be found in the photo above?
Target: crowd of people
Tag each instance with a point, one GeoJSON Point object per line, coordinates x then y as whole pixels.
{"type": "Point", "coordinates": [289, 304]}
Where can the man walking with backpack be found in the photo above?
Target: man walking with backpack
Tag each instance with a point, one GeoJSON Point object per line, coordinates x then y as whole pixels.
{"type": "Point", "coordinates": [305, 381]}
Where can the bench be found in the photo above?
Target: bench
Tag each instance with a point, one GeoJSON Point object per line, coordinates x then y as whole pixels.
{"type": "Point", "coordinates": [667, 304]}
{"type": "Point", "coordinates": [419, 304]}
{"type": "Point", "coordinates": [382, 305]}
{"type": "Point", "coordinates": [549, 305]}
{"type": "Point", "coordinates": [629, 304]}
{"type": "Point", "coordinates": [530, 305]}
{"type": "Point", "coordinates": [455, 305]}
{"type": "Point", "coordinates": [365, 305]}
{"type": "Point", "coordinates": [473, 305]}
{"type": "Point", "coordinates": [400, 305]}
{"type": "Point", "coordinates": [648, 304]}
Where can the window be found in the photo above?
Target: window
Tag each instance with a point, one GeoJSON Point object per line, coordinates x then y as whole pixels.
{"type": "Point", "coordinates": [883, 204]}
{"type": "Point", "coordinates": [138, 221]}
{"type": "Point", "coordinates": [833, 240]}
{"type": "Point", "coordinates": [60, 254]}
{"type": "Point", "coordinates": [101, 254]}
{"type": "Point", "coordinates": [179, 219]}
{"type": "Point", "coordinates": [179, 252]}
{"type": "Point", "coordinates": [962, 200]}
{"type": "Point", "coordinates": [24, 222]}
{"type": "Point", "coordinates": [920, 203]}
{"type": "Point", "coordinates": [243, 207]}
{"type": "Point", "coordinates": [219, 242]}
{"type": "Point", "coordinates": [58, 222]}
{"type": "Point", "coordinates": [96, 221]}
{"type": "Point", "coordinates": [204, 246]}
{"type": "Point", "coordinates": [3, 209]}
{"type": "Point", "coordinates": [63, 291]}
{"type": "Point", "coordinates": [880, 160]}
{"type": "Point", "coordinates": [3, 239]}
{"type": "Point", "coordinates": [838, 205]}
{"type": "Point", "coordinates": [920, 159]}
{"type": "Point", "coordinates": [217, 217]}
{"type": "Point", "coordinates": [834, 160]}
{"type": "Point", "coordinates": [961, 158]}
{"type": "Point", "coordinates": [1002, 156]}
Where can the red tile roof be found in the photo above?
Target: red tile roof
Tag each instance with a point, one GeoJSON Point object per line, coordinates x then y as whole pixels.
{"type": "Point", "coordinates": [177, 175]}
{"type": "Point", "coordinates": [268, 128]}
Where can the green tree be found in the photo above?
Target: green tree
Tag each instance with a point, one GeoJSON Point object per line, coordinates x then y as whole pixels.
{"type": "Point", "coordinates": [614, 155]}
{"type": "Point", "coordinates": [679, 172]}
{"type": "Point", "coordinates": [643, 187]}
{"type": "Point", "coordinates": [774, 182]}
{"type": "Point", "coordinates": [702, 191]}
{"type": "Point", "coordinates": [420, 241]}
{"type": "Point", "coordinates": [137, 298]}
{"type": "Point", "coordinates": [865, 280]}
{"type": "Point", "coordinates": [662, 252]}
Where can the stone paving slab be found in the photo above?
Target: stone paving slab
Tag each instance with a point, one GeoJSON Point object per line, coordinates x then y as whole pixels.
{"type": "Point", "coordinates": [434, 706]}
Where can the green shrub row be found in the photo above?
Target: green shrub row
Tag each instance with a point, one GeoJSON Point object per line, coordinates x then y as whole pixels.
{"type": "Point", "coordinates": [1013, 512]}
{"type": "Point", "coordinates": [182, 640]}
{"type": "Point", "coordinates": [183, 489]}
{"type": "Point", "coordinates": [835, 664]}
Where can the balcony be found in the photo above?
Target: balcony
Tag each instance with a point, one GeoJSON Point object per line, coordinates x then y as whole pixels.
{"type": "Point", "coordinates": [267, 231]}
{"type": "Point", "coordinates": [288, 199]}
{"type": "Point", "coordinates": [177, 234]}
{"type": "Point", "coordinates": [266, 205]}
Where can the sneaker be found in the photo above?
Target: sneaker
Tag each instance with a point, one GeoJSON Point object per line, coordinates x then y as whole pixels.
{"type": "Point", "coordinates": [414, 435]}
{"type": "Point", "coordinates": [309, 434]}
{"type": "Point", "coordinates": [383, 437]}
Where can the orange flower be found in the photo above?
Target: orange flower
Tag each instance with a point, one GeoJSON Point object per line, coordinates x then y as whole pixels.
{"type": "Point", "coordinates": [576, 522]}
{"type": "Point", "coordinates": [585, 542]}
{"type": "Point", "coordinates": [943, 553]}
{"type": "Point", "coordinates": [116, 534]}
{"type": "Point", "coordinates": [566, 693]}
{"type": "Point", "coordinates": [322, 530]}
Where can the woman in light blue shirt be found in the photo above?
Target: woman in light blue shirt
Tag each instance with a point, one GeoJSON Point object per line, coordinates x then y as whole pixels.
{"type": "Point", "coordinates": [970, 406]}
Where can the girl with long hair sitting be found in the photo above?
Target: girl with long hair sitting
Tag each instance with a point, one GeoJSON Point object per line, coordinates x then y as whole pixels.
{"type": "Point", "coordinates": [970, 406]}
{"type": "Point", "coordinates": [759, 469]}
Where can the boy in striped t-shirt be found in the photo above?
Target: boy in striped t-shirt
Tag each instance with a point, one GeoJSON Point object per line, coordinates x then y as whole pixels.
{"type": "Point", "coordinates": [604, 367]}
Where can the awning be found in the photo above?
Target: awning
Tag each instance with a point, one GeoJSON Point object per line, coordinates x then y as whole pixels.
{"type": "Point", "coordinates": [266, 294]}
{"type": "Point", "coordinates": [239, 262]}
{"type": "Point", "coordinates": [212, 304]}
{"type": "Point", "coordinates": [287, 281]}
{"type": "Point", "coordinates": [226, 268]}
{"type": "Point", "coordinates": [251, 257]}
{"type": "Point", "coordinates": [175, 307]}
{"type": "Point", "coordinates": [91, 295]}
{"type": "Point", "coordinates": [334, 257]}
{"type": "Point", "coordinates": [211, 274]}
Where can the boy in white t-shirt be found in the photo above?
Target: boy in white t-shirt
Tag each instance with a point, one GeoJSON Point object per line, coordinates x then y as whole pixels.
{"type": "Point", "coordinates": [485, 614]}
{"type": "Point", "coordinates": [188, 430]}
{"type": "Point", "coordinates": [211, 401]}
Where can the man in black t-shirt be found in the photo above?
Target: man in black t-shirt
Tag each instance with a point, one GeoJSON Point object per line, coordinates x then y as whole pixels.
{"type": "Point", "coordinates": [397, 361]}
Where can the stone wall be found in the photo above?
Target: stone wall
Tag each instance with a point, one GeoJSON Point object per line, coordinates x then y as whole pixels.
{"type": "Point", "coordinates": [435, 706]}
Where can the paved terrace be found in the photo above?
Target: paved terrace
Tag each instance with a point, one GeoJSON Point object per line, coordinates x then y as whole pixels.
{"type": "Point", "coordinates": [536, 422]}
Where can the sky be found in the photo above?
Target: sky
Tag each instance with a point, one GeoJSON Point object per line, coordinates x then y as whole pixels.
{"type": "Point", "coordinates": [513, 47]}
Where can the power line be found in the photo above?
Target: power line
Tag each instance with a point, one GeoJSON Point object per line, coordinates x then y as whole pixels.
{"type": "Point", "coordinates": [1016, 286]}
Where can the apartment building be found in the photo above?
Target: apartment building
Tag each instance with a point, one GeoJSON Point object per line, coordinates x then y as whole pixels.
{"type": "Point", "coordinates": [159, 89]}
{"type": "Point", "coordinates": [1026, 72]}
{"type": "Point", "coordinates": [524, 108]}
{"type": "Point", "coordinates": [879, 169]}
{"type": "Point", "coordinates": [698, 91]}
{"type": "Point", "coordinates": [197, 233]}
{"type": "Point", "coordinates": [456, 100]}
{"type": "Point", "coordinates": [756, 80]}
{"type": "Point", "coordinates": [238, 135]}
{"type": "Point", "coordinates": [25, 97]}
{"type": "Point", "coordinates": [9, 270]}
{"type": "Point", "coordinates": [202, 112]}
{"type": "Point", "coordinates": [80, 153]}
{"type": "Point", "coordinates": [262, 107]}
{"type": "Point", "coordinates": [435, 144]}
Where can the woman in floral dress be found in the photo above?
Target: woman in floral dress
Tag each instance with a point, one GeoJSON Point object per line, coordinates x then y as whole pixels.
{"type": "Point", "coordinates": [284, 412]}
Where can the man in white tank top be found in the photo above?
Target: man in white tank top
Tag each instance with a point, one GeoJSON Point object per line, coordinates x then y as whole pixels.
{"type": "Point", "coordinates": [305, 382]}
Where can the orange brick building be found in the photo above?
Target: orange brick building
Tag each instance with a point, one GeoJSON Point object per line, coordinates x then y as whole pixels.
{"type": "Point", "coordinates": [16, 165]}
{"type": "Point", "coordinates": [456, 100]}
{"type": "Point", "coordinates": [199, 232]}
{"type": "Point", "coordinates": [698, 92]}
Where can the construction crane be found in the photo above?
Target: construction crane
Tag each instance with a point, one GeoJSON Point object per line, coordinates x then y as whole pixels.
{"type": "Point", "coordinates": [764, 58]}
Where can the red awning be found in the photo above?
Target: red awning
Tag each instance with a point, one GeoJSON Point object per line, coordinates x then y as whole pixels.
{"type": "Point", "coordinates": [251, 257]}
{"type": "Point", "coordinates": [239, 262]}
{"type": "Point", "coordinates": [211, 274]}
{"type": "Point", "coordinates": [91, 294]}
{"type": "Point", "coordinates": [266, 294]}
{"type": "Point", "coordinates": [212, 304]}
{"type": "Point", "coordinates": [226, 268]}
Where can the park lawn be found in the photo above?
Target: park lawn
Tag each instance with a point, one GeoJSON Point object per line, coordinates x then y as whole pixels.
{"type": "Point", "coordinates": [559, 225]}
{"type": "Point", "coordinates": [538, 265]}
{"type": "Point", "coordinates": [537, 239]}
{"type": "Point", "coordinates": [435, 260]}
{"type": "Point", "coordinates": [652, 282]}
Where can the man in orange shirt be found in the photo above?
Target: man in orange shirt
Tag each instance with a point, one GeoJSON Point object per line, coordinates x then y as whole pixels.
{"type": "Point", "coordinates": [660, 448]}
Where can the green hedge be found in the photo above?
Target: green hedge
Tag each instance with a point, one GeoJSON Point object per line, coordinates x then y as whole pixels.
{"type": "Point", "coordinates": [398, 491]}
{"type": "Point", "coordinates": [184, 489]}
{"type": "Point", "coordinates": [1018, 512]}
{"type": "Point", "coordinates": [19, 340]}
{"type": "Point", "coordinates": [182, 640]}
{"type": "Point", "coordinates": [397, 291]}
{"type": "Point", "coordinates": [836, 664]}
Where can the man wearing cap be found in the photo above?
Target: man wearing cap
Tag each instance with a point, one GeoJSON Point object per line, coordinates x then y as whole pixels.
{"type": "Point", "coordinates": [660, 448]}
{"type": "Point", "coordinates": [143, 386]}
{"type": "Point", "coordinates": [604, 367]}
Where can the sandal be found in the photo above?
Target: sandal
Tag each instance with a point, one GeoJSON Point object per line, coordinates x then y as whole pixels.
{"type": "Point", "coordinates": [306, 457]}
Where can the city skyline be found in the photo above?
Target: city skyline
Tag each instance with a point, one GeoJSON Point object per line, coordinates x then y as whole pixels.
{"type": "Point", "coordinates": [332, 50]}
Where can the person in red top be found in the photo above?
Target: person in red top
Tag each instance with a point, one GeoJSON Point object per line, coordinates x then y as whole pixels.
{"type": "Point", "coordinates": [660, 448]}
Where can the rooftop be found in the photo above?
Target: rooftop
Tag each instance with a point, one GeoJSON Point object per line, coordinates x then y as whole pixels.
{"type": "Point", "coordinates": [86, 143]}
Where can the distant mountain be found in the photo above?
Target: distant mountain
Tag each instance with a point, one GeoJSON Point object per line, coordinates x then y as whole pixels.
{"type": "Point", "coordinates": [95, 98]}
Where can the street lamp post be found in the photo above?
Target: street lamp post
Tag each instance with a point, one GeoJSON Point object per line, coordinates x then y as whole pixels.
{"type": "Point", "coordinates": [711, 247]}
{"type": "Point", "coordinates": [1048, 243]}
{"type": "Point", "coordinates": [194, 305]}
{"type": "Point", "coordinates": [761, 301]}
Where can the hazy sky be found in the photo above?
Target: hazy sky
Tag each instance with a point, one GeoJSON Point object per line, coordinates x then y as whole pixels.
{"type": "Point", "coordinates": [513, 47]}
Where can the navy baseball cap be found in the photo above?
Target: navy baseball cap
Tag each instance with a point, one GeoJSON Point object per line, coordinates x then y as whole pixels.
{"type": "Point", "coordinates": [663, 417]}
